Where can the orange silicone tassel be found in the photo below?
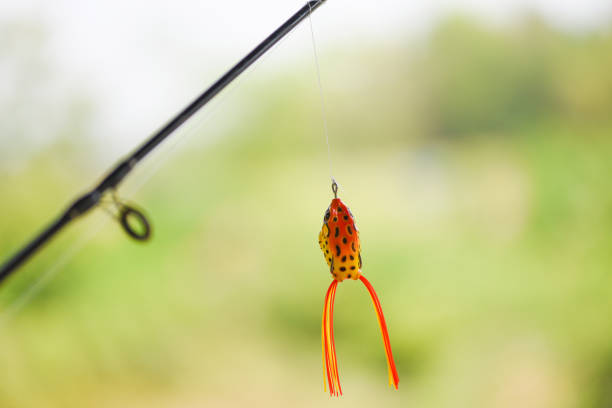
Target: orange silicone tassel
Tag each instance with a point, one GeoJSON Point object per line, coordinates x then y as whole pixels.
{"type": "Point", "coordinates": [328, 343]}
{"type": "Point", "coordinates": [393, 376]}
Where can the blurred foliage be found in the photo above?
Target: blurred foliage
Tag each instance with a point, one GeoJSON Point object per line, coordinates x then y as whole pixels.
{"type": "Point", "coordinates": [477, 166]}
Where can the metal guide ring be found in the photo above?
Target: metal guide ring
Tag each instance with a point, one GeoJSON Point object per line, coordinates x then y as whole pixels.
{"type": "Point", "coordinates": [143, 231]}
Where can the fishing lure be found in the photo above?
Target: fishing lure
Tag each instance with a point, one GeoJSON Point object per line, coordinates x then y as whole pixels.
{"type": "Point", "coordinates": [339, 241]}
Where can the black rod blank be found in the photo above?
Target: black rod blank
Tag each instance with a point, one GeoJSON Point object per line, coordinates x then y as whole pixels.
{"type": "Point", "coordinates": [88, 201]}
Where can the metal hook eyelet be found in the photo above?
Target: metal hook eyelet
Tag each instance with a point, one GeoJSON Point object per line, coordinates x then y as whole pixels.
{"type": "Point", "coordinates": [335, 188]}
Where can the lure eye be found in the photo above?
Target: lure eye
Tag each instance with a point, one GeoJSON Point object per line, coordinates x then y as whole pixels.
{"type": "Point", "coordinates": [327, 215]}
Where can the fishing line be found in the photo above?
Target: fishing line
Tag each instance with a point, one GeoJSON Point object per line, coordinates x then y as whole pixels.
{"type": "Point", "coordinates": [322, 98]}
{"type": "Point", "coordinates": [49, 274]}
{"type": "Point", "coordinates": [191, 128]}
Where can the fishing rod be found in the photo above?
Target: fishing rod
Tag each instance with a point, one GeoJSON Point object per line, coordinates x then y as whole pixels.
{"type": "Point", "coordinates": [132, 220]}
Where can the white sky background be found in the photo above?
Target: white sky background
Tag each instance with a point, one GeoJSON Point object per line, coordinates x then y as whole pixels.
{"type": "Point", "coordinates": [142, 61]}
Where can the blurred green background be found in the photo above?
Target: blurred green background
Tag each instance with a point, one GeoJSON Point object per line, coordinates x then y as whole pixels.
{"type": "Point", "coordinates": [477, 162]}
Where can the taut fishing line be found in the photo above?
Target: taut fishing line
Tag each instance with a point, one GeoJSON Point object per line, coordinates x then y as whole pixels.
{"type": "Point", "coordinates": [49, 274]}
{"type": "Point", "coordinates": [321, 96]}
{"type": "Point", "coordinates": [191, 128]}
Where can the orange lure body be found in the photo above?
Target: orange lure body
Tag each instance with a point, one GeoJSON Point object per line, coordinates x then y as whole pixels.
{"type": "Point", "coordinates": [339, 241]}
